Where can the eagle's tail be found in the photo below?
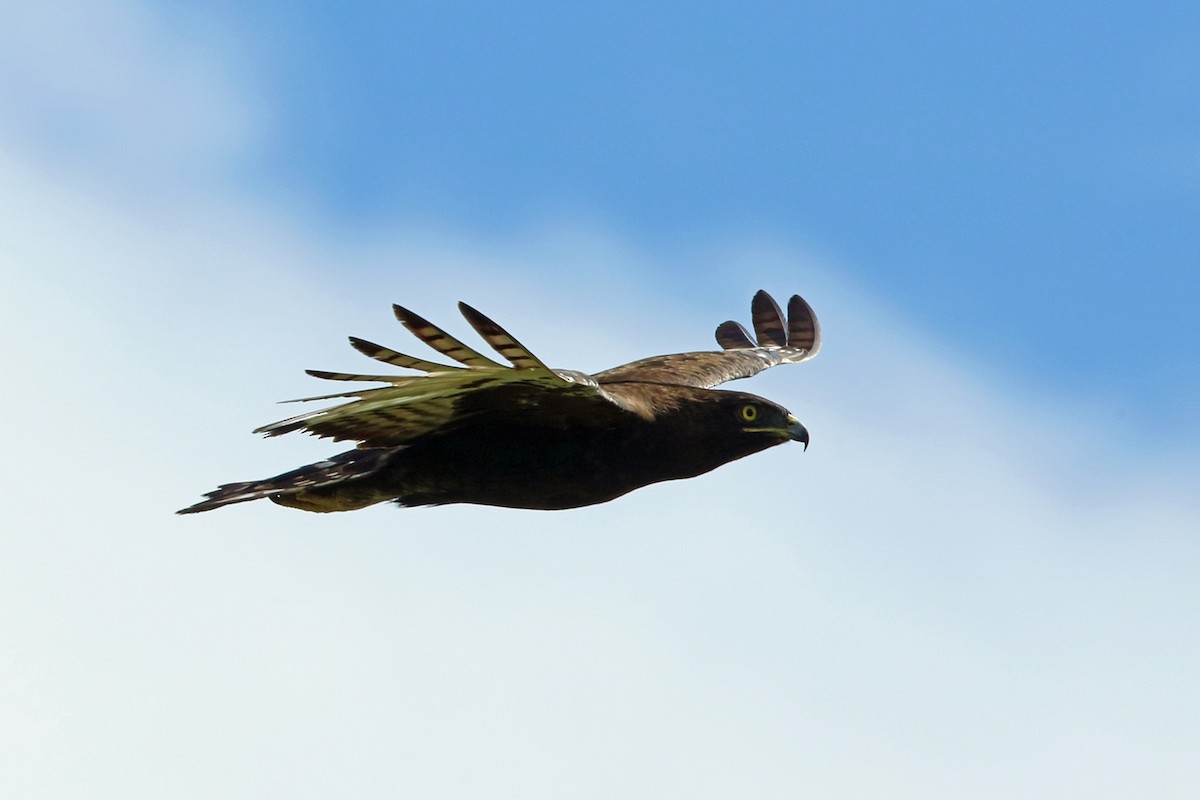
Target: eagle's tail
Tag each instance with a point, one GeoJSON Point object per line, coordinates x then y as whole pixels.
{"type": "Point", "coordinates": [332, 485]}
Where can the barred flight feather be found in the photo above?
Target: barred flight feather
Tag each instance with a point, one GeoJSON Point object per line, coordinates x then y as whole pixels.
{"type": "Point", "coordinates": [389, 356]}
{"type": "Point", "coordinates": [501, 340]}
{"type": "Point", "coordinates": [778, 342]}
{"type": "Point", "coordinates": [349, 376]}
{"type": "Point", "coordinates": [441, 341]}
{"type": "Point", "coordinates": [732, 336]}
{"type": "Point", "coordinates": [803, 329]}
{"type": "Point", "coordinates": [768, 321]}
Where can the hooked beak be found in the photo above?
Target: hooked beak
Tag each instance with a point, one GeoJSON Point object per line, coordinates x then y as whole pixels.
{"type": "Point", "coordinates": [797, 432]}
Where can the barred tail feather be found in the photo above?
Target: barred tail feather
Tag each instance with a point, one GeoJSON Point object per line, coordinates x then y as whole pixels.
{"type": "Point", "coordinates": [330, 485]}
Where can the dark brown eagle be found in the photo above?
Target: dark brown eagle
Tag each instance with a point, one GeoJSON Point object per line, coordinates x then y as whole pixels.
{"type": "Point", "coordinates": [527, 436]}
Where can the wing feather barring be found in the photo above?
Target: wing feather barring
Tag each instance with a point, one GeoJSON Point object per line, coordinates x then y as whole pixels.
{"type": "Point", "coordinates": [523, 435]}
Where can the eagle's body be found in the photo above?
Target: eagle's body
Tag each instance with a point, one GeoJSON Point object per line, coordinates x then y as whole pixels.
{"type": "Point", "coordinates": [527, 436]}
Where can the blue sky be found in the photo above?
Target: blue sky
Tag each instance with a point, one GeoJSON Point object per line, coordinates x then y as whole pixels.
{"type": "Point", "coordinates": [979, 580]}
{"type": "Point", "coordinates": [1023, 179]}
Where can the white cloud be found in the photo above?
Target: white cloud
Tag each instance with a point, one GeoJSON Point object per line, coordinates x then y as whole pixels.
{"type": "Point", "coordinates": [125, 92]}
{"type": "Point", "coordinates": [952, 593]}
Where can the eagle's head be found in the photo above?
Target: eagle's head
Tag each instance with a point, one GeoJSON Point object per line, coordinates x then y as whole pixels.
{"type": "Point", "coordinates": [750, 418]}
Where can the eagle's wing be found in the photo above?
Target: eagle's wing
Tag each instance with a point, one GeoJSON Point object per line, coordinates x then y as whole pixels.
{"type": "Point", "coordinates": [779, 341]}
{"type": "Point", "coordinates": [410, 406]}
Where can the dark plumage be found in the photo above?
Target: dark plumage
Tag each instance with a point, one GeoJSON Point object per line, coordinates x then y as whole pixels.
{"type": "Point", "coordinates": [528, 436]}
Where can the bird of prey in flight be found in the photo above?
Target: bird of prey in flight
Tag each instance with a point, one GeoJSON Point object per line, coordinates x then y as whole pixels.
{"type": "Point", "coordinates": [523, 435]}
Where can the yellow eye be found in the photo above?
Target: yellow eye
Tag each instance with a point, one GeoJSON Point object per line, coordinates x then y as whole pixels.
{"type": "Point", "coordinates": [749, 412]}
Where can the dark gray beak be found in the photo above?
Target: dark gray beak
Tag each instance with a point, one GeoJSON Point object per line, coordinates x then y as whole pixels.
{"type": "Point", "coordinates": [797, 432]}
